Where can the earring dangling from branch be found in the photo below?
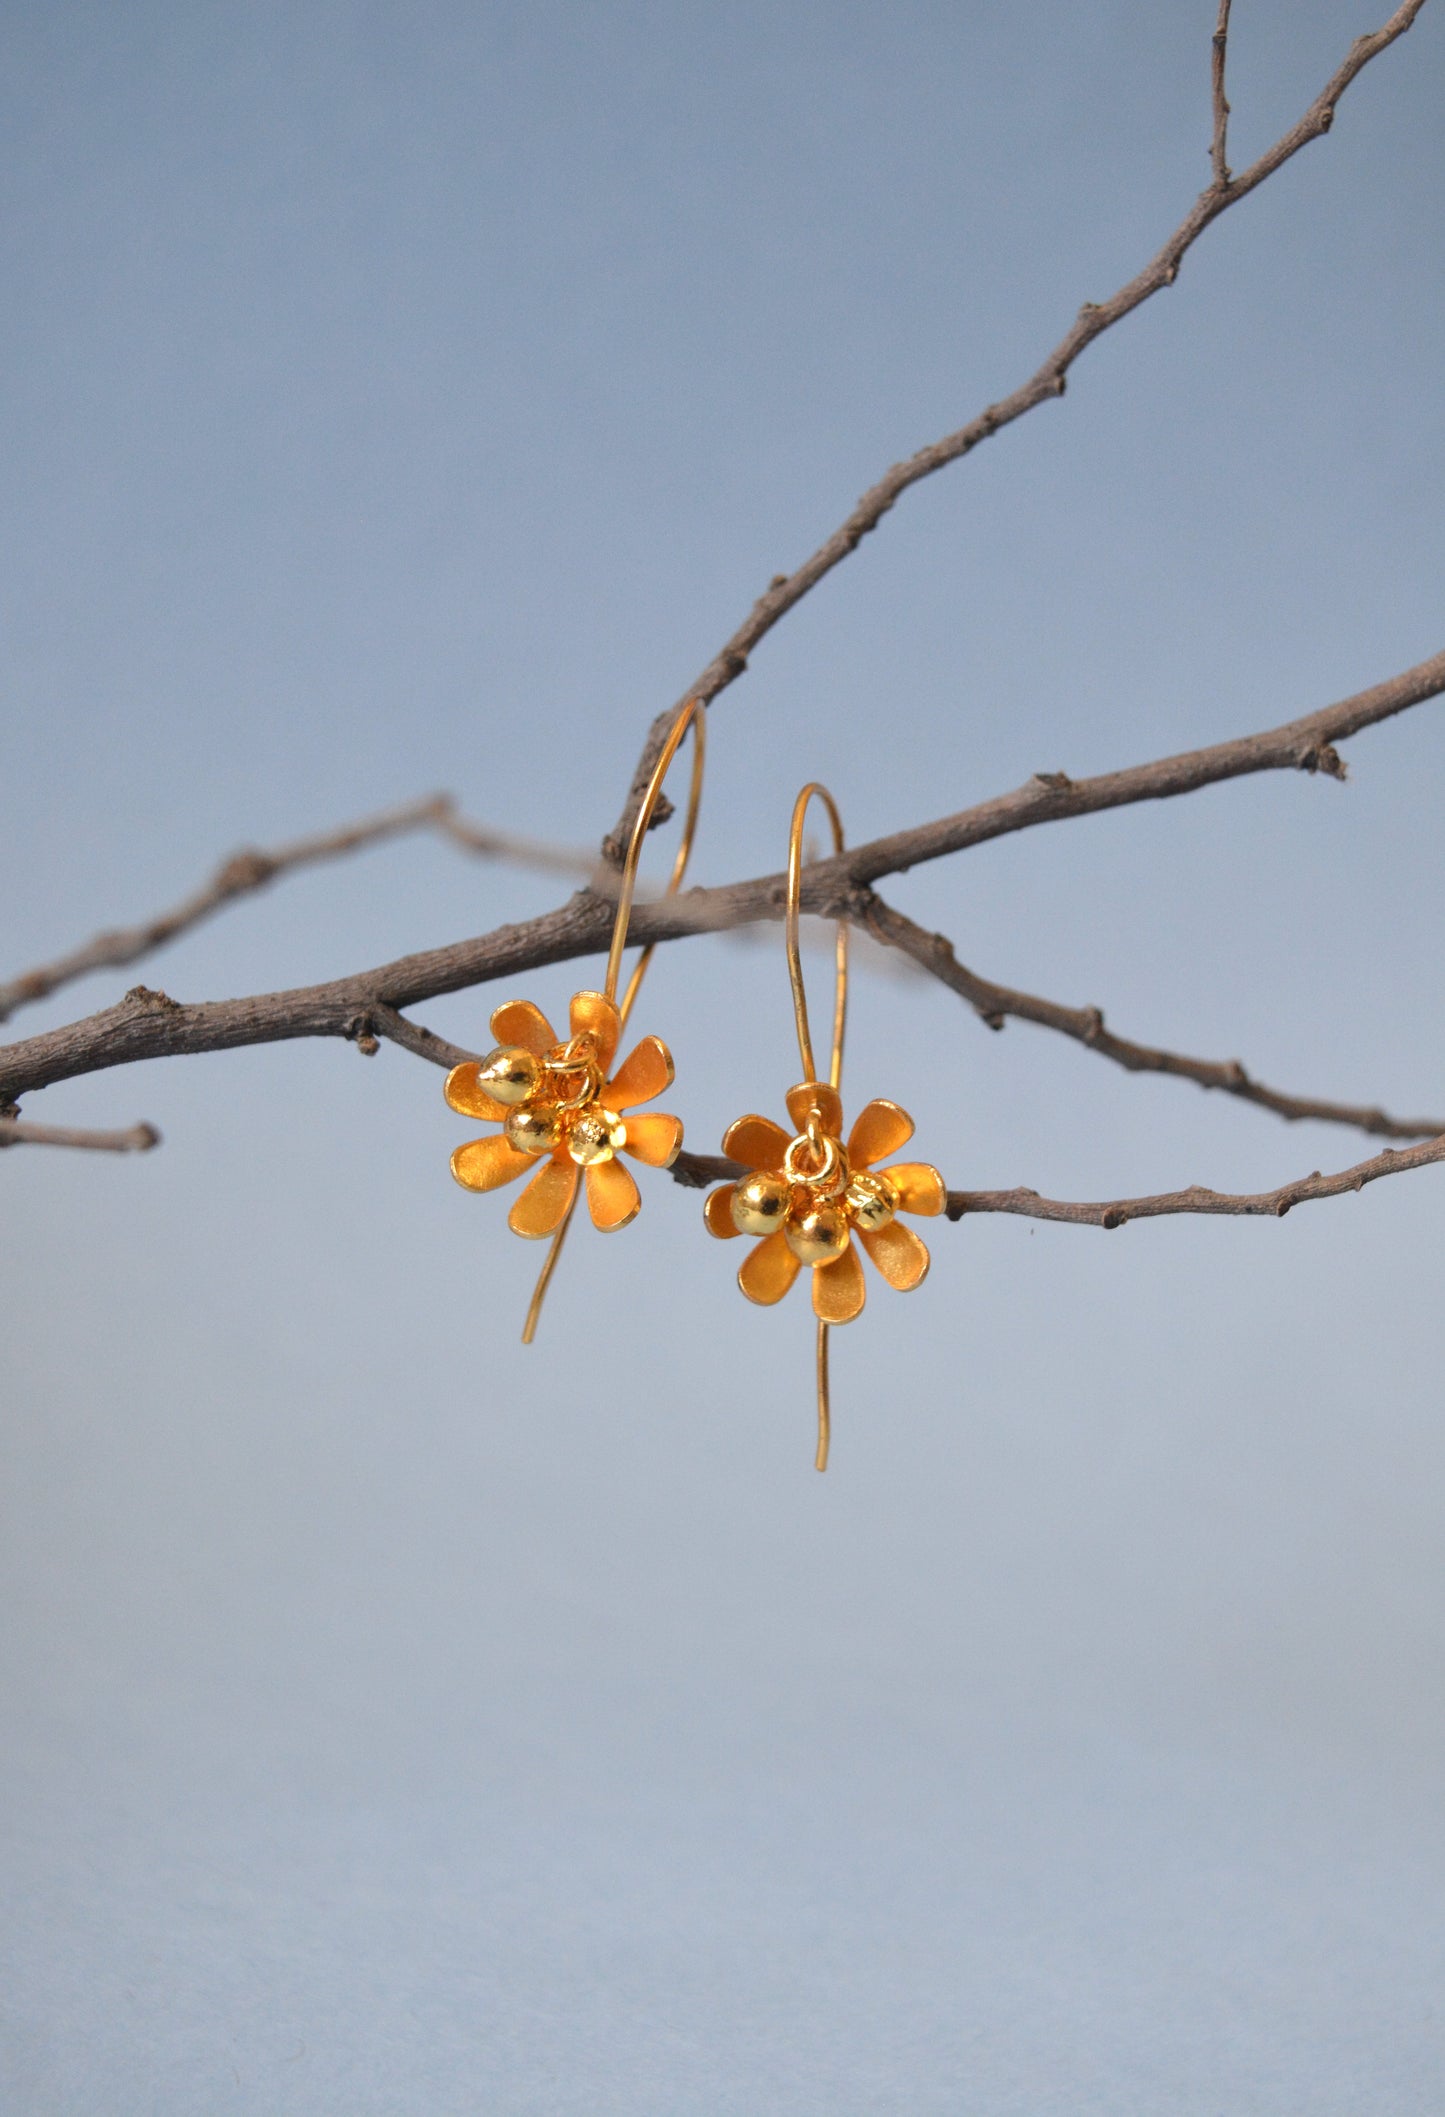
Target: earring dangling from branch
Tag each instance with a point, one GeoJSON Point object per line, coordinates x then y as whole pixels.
{"type": "Point", "coordinates": [565, 1115]}
{"type": "Point", "coordinates": [811, 1198]}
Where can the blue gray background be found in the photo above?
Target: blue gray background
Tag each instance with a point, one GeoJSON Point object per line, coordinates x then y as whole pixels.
{"type": "Point", "coordinates": [397, 1721]}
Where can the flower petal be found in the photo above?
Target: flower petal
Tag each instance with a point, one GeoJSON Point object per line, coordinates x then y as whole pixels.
{"type": "Point", "coordinates": [486, 1164]}
{"type": "Point", "coordinates": [816, 1095]}
{"type": "Point", "coordinates": [465, 1093]}
{"type": "Point", "coordinates": [645, 1073]}
{"type": "Point", "coordinates": [655, 1139]}
{"type": "Point", "coordinates": [881, 1128]}
{"type": "Point", "coordinates": [612, 1196]}
{"type": "Point", "coordinates": [717, 1213]}
{"type": "Point", "coordinates": [519, 1022]}
{"type": "Point", "coordinates": [594, 1011]}
{"type": "Point", "coordinates": [919, 1186]}
{"type": "Point", "coordinates": [900, 1255]}
{"type": "Point", "coordinates": [838, 1289]}
{"type": "Point", "coordinates": [756, 1142]}
{"type": "Point", "coordinates": [768, 1270]}
{"type": "Point", "coordinates": [544, 1203]}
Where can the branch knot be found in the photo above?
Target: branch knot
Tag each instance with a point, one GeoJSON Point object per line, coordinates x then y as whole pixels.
{"type": "Point", "coordinates": [1327, 759]}
{"type": "Point", "coordinates": [245, 870]}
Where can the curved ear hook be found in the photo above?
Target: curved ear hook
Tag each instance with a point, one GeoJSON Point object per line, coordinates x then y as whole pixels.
{"type": "Point", "coordinates": [693, 715]}
{"type": "Point", "coordinates": [814, 789]}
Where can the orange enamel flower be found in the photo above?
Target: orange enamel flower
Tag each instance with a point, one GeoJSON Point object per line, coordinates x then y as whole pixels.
{"type": "Point", "coordinates": [564, 1114]}
{"type": "Point", "coordinates": [809, 1196]}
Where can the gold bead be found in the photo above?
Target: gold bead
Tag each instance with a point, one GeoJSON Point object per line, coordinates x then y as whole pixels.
{"type": "Point", "coordinates": [533, 1131]}
{"type": "Point", "coordinates": [510, 1074]}
{"type": "Point", "coordinates": [760, 1203]}
{"type": "Point", "coordinates": [871, 1201]}
{"type": "Point", "coordinates": [594, 1135]}
{"type": "Point", "coordinates": [818, 1234]}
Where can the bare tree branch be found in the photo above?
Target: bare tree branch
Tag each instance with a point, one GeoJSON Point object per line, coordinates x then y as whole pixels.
{"type": "Point", "coordinates": [1047, 382]}
{"type": "Point", "coordinates": [1304, 745]}
{"type": "Point", "coordinates": [251, 869]}
{"type": "Point", "coordinates": [20, 1132]}
{"type": "Point", "coordinates": [992, 1003]}
{"type": "Point", "coordinates": [995, 1003]}
{"type": "Point", "coordinates": [506, 845]}
{"type": "Point", "coordinates": [1394, 1161]}
{"type": "Point", "coordinates": [410, 1036]}
{"type": "Point", "coordinates": [697, 1171]}
{"type": "Point", "coordinates": [149, 1024]}
{"type": "Point", "coordinates": [1219, 44]}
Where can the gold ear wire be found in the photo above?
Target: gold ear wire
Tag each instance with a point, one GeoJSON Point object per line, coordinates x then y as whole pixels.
{"type": "Point", "coordinates": [564, 1111]}
{"type": "Point", "coordinates": [814, 1199]}
{"type": "Point", "coordinates": [815, 790]}
{"type": "Point", "coordinates": [693, 715]}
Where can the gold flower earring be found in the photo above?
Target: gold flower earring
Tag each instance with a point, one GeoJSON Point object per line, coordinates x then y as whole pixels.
{"type": "Point", "coordinates": [565, 1116]}
{"type": "Point", "coordinates": [811, 1198]}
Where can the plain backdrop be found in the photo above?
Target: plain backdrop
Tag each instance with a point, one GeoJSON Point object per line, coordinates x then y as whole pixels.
{"type": "Point", "coordinates": [396, 1720]}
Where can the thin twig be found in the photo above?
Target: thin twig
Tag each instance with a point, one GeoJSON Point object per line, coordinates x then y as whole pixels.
{"type": "Point", "coordinates": [697, 1171]}
{"type": "Point", "coordinates": [995, 1003]}
{"type": "Point", "coordinates": [252, 868]}
{"type": "Point", "coordinates": [20, 1132]}
{"type": "Point", "coordinates": [506, 845]}
{"type": "Point", "coordinates": [1303, 745]}
{"type": "Point", "coordinates": [1218, 46]}
{"type": "Point", "coordinates": [410, 1036]}
{"type": "Point", "coordinates": [1047, 382]}
{"type": "Point", "coordinates": [245, 871]}
{"type": "Point", "coordinates": [1114, 1213]}
{"type": "Point", "coordinates": [149, 1024]}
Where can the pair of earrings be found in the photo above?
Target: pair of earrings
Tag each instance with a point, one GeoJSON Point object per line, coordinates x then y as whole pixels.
{"type": "Point", "coordinates": [808, 1196]}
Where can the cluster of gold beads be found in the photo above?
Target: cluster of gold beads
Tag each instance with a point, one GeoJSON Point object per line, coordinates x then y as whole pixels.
{"type": "Point", "coordinates": [553, 1101]}
{"type": "Point", "coordinates": [815, 1199]}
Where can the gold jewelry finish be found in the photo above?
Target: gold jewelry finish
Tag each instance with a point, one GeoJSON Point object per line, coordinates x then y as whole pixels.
{"type": "Point", "coordinates": [816, 1233]}
{"type": "Point", "coordinates": [533, 1130]}
{"type": "Point", "coordinates": [759, 1204]}
{"type": "Point", "coordinates": [694, 716]}
{"type": "Point", "coordinates": [790, 935]}
{"type": "Point", "coordinates": [565, 1115]}
{"type": "Point", "coordinates": [813, 1198]}
{"type": "Point", "coordinates": [511, 1075]}
{"type": "Point", "coordinates": [871, 1201]}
